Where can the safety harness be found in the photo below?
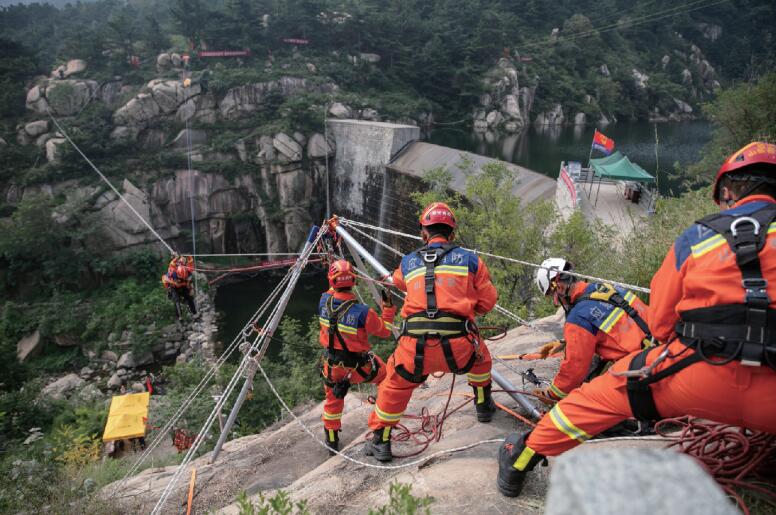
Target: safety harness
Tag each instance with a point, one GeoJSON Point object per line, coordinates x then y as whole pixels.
{"type": "Point", "coordinates": [729, 332]}
{"type": "Point", "coordinates": [608, 294]}
{"type": "Point", "coordinates": [344, 357]}
{"type": "Point", "coordinates": [433, 323]}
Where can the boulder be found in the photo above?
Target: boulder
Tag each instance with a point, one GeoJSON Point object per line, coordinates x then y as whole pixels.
{"type": "Point", "coordinates": [90, 393]}
{"type": "Point", "coordinates": [300, 138]}
{"type": "Point", "coordinates": [163, 61]}
{"type": "Point", "coordinates": [138, 387]}
{"type": "Point", "coordinates": [511, 108]}
{"type": "Point", "coordinates": [115, 381]}
{"type": "Point", "coordinates": [588, 482]}
{"type": "Point", "coordinates": [370, 58]}
{"type": "Point", "coordinates": [266, 153]}
{"type": "Point", "coordinates": [604, 70]}
{"type": "Point", "coordinates": [639, 79]}
{"type": "Point", "coordinates": [138, 111]}
{"type": "Point", "coordinates": [72, 67]}
{"type": "Point", "coordinates": [370, 114]}
{"type": "Point", "coordinates": [682, 106]}
{"type": "Point", "coordinates": [311, 68]}
{"type": "Point", "coordinates": [37, 128]}
{"type": "Point", "coordinates": [62, 386]}
{"type": "Point", "coordinates": [493, 118]}
{"type": "Point", "coordinates": [122, 133]}
{"type": "Point", "coordinates": [86, 373]}
{"type": "Point", "coordinates": [552, 117]}
{"type": "Point", "coordinates": [340, 110]}
{"type": "Point", "coordinates": [318, 147]}
{"type": "Point", "coordinates": [64, 340]}
{"type": "Point", "coordinates": [665, 61]}
{"type": "Point", "coordinates": [29, 346]}
{"type": "Point", "coordinates": [52, 149]}
{"type": "Point", "coordinates": [175, 60]}
{"type": "Point", "coordinates": [42, 139]}
{"type": "Point", "coordinates": [169, 95]}
{"type": "Point", "coordinates": [68, 97]}
{"type": "Point", "coordinates": [686, 77]}
{"type": "Point", "coordinates": [36, 101]}
{"type": "Point", "coordinates": [288, 149]}
{"type": "Point", "coordinates": [132, 360]}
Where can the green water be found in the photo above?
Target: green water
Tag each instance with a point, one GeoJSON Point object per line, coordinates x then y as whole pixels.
{"type": "Point", "coordinates": [542, 149]}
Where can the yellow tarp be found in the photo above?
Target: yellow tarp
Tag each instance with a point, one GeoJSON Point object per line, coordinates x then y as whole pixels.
{"type": "Point", "coordinates": [127, 416]}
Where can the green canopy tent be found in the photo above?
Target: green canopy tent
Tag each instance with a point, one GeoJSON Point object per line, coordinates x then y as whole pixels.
{"type": "Point", "coordinates": [617, 167]}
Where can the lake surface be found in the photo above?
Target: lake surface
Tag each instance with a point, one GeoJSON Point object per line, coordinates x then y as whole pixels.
{"type": "Point", "coordinates": [542, 149]}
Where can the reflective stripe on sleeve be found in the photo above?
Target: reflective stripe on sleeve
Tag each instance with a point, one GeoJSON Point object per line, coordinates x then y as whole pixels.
{"type": "Point", "coordinates": [566, 426]}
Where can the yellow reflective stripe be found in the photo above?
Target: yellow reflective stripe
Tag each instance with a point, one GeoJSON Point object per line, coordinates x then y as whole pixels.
{"type": "Point", "coordinates": [452, 270]}
{"type": "Point", "coordinates": [478, 377]}
{"type": "Point", "coordinates": [480, 395]}
{"type": "Point", "coordinates": [630, 297]}
{"type": "Point", "coordinates": [772, 228]}
{"type": "Point", "coordinates": [386, 433]}
{"type": "Point", "coordinates": [522, 461]}
{"type": "Point", "coordinates": [388, 417]}
{"type": "Point", "coordinates": [707, 245]}
{"type": "Point", "coordinates": [565, 426]}
{"type": "Point", "coordinates": [332, 435]}
{"type": "Point", "coordinates": [323, 321]}
{"type": "Point", "coordinates": [415, 273]}
{"type": "Point", "coordinates": [440, 332]}
{"type": "Point", "coordinates": [388, 325]}
{"type": "Point", "coordinates": [557, 391]}
{"type": "Point", "coordinates": [347, 329]}
{"type": "Point", "coordinates": [612, 319]}
{"type": "Point", "coordinates": [332, 416]}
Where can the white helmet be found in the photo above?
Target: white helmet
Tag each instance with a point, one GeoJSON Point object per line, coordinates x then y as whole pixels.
{"type": "Point", "coordinates": [549, 270]}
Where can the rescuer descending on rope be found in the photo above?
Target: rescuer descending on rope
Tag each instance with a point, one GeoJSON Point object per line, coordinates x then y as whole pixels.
{"type": "Point", "coordinates": [177, 282]}
{"type": "Point", "coordinates": [601, 320]}
{"type": "Point", "coordinates": [713, 301]}
{"type": "Point", "coordinates": [446, 287]}
{"type": "Point", "coordinates": [345, 329]}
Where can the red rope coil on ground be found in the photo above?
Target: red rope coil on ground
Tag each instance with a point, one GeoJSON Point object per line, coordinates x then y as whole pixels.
{"type": "Point", "coordinates": [736, 458]}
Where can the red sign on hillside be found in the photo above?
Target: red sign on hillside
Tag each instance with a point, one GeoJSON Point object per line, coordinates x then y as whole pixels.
{"type": "Point", "coordinates": [296, 41]}
{"type": "Point", "coordinates": [224, 53]}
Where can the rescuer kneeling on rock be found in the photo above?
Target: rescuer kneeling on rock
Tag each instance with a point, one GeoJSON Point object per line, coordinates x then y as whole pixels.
{"type": "Point", "coordinates": [446, 287]}
{"type": "Point", "coordinates": [345, 329]}
{"type": "Point", "coordinates": [177, 282]}
{"type": "Point", "coordinates": [601, 320]}
{"type": "Point", "coordinates": [714, 301]}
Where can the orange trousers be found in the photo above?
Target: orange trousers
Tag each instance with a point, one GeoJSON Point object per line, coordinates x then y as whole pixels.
{"type": "Point", "coordinates": [731, 394]}
{"type": "Point", "coordinates": [333, 407]}
{"type": "Point", "coordinates": [395, 392]}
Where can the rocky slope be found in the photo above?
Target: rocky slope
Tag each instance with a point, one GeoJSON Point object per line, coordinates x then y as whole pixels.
{"type": "Point", "coordinates": [285, 457]}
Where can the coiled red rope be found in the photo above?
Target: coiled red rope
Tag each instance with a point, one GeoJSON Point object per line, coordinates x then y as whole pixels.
{"type": "Point", "coordinates": [738, 459]}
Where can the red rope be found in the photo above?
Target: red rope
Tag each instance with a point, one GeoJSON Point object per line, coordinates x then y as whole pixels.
{"type": "Point", "coordinates": [732, 455]}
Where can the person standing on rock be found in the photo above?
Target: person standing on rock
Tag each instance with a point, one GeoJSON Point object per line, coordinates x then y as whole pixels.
{"type": "Point", "coordinates": [177, 282]}
{"type": "Point", "coordinates": [713, 301]}
{"type": "Point", "coordinates": [602, 321]}
{"type": "Point", "coordinates": [348, 358]}
{"type": "Point", "coordinates": [446, 287]}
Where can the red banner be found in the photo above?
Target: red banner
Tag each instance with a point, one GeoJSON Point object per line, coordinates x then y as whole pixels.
{"type": "Point", "coordinates": [224, 53]}
{"type": "Point", "coordinates": [564, 176]}
{"type": "Point", "coordinates": [296, 41]}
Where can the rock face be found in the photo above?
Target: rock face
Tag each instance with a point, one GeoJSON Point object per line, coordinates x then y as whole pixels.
{"type": "Point", "coordinates": [29, 346]}
{"type": "Point", "coordinates": [506, 104]}
{"type": "Point", "coordinates": [63, 97]}
{"type": "Point", "coordinates": [37, 128]}
{"type": "Point", "coordinates": [248, 98]}
{"type": "Point", "coordinates": [132, 360]}
{"type": "Point", "coordinates": [72, 67]}
{"type": "Point", "coordinates": [639, 79]}
{"type": "Point", "coordinates": [551, 117]}
{"type": "Point", "coordinates": [63, 386]}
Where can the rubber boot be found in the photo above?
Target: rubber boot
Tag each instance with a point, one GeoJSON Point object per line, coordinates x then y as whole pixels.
{"type": "Point", "coordinates": [483, 402]}
{"type": "Point", "coordinates": [515, 460]}
{"type": "Point", "coordinates": [380, 445]}
{"type": "Point", "coordinates": [332, 440]}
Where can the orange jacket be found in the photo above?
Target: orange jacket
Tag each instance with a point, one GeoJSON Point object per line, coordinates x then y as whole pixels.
{"type": "Point", "coordinates": [356, 324]}
{"type": "Point", "coordinates": [595, 327]}
{"type": "Point", "coordinates": [462, 283]}
{"type": "Point", "coordinates": [700, 271]}
{"type": "Point", "coordinates": [187, 261]}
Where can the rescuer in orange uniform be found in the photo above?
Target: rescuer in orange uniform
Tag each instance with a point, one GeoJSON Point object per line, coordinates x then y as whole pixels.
{"type": "Point", "coordinates": [177, 282]}
{"type": "Point", "coordinates": [713, 302]}
{"type": "Point", "coordinates": [601, 320]}
{"type": "Point", "coordinates": [345, 329]}
{"type": "Point", "coordinates": [446, 288]}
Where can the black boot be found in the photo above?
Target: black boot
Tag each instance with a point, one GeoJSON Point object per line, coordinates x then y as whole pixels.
{"type": "Point", "coordinates": [380, 445]}
{"type": "Point", "coordinates": [484, 403]}
{"type": "Point", "coordinates": [515, 460]}
{"type": "Point", "coordinates": [332, 440]}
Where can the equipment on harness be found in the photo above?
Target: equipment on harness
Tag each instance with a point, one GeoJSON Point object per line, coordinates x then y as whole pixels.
{"type": "Point", "coordinates": [434, 323]}
{"type": "Point", "coordinates": [729, 332]}
{"type": "Point", "coordinates": [344, 357]}
{"type": "Point", "coordinates": [340, 388]}
{"type": "Point", "coordinates": [608, 294]}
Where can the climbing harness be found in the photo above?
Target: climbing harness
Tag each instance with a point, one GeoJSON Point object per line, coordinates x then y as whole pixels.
{"type": "Point", "coordinates": [728, 332]}
{"type": "Point", "coordinates": [436, 324]}
{"type": "Point", "coordinates": [608, 294]}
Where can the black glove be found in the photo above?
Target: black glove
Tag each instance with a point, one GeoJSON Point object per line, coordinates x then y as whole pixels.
{"type": "Point", "coordinates": [387, 302]}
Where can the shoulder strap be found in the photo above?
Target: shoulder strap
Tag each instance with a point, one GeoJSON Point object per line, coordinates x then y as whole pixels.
{"type": "Point", "coordinates": [431, 257]}
{"type": "Point", "coordinates": [608, 294]}
{"type": "Point", "coordinates": [334, 316]}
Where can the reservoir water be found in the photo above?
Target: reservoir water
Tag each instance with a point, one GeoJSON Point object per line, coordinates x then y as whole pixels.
{"type": "Point", "coordinates": [536, 149]}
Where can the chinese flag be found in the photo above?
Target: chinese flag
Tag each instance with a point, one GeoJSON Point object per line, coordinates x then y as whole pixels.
{"type": "Point", "coordinates": [602, 143]}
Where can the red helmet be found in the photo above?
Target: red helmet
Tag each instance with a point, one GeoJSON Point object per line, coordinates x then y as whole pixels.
{"type": "Point", "coordinates": [437, 213]}
{"type": "Point", "coordinates": [182, 272]}
{"type": "Point", "coordinates": [756, 153]}
{"type": "Point", "coordinates": [341, 274]}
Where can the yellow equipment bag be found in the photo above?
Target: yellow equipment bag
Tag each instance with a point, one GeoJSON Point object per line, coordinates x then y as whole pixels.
{"type": "Point", "coordinates": [127, 416]}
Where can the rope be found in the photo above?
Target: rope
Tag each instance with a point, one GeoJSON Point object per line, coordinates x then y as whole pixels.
{"type": "Point", "coordinates": [357, 461]}
{"type": "Point", "coordinates": [730, 454]}
{"type": "Point", "coordinates": [351, 223]}
{"type": "Point", "coordinates": [259, 347]}
{"type": "Point", "coordinates": [105, 179]}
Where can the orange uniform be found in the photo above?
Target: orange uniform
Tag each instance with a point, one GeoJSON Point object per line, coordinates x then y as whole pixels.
{"type": "Point", "coordinates": [596, 327]}
{"type": "Point", "coordinates": [461, 290]}
{"type": "Point", "coordinates": [700, 271]}
{"type": "Point", "coordinates": [353, 361]}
